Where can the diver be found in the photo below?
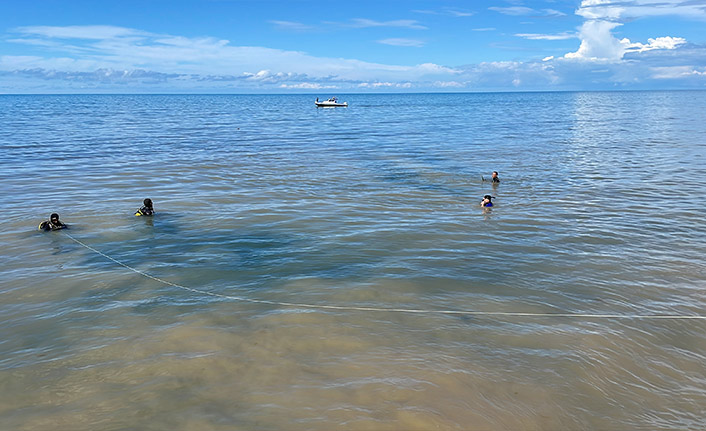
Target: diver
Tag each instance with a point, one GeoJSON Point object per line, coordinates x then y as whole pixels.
{"type": "Point", "coordinates": [146, 210]}
{"type": "Point", "coordinates": [494, 178]}
{"type": "Point", "coordinates": [487, 201]}
{"type": "Point", "coordinates": [52, 224]}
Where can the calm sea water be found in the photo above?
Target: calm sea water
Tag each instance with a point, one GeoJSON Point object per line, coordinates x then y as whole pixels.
{"type": "Point", "coordinates": [600, 211]}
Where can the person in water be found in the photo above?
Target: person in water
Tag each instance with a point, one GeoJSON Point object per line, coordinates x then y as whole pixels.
{"type": "Point", "coordinates": [487, 201]}
{"type": "Point", "coordinates": [494, 178]}
{"type": "Point", "coordinates": [52, 224]}
{"type": "Point", "coordinates": [146, 210]}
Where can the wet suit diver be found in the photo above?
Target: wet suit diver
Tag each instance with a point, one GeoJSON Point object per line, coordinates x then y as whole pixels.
{"type": "Point", "coordinates": [494, 178]}
{"type": "Point", "coordinates": [145, 210]}
{"type": "Point", "coordinates": [487, 201]}
{"type": "Point", "coordinates": [52, 224]}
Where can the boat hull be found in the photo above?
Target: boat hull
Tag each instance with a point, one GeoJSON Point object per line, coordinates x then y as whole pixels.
{"type": "Point", "coordinates": [331, 105]}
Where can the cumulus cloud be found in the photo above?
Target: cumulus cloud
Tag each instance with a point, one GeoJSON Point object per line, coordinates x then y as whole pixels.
{"type": "Point", "coordinates": [265, 76]}
{"type": "Point", "coordinates": [598, 43]}
{"type": "Point", "coordinates": [450, 84]}
{"type": "Point", "coordinates": [597, 40]}
{"type": "Point", "coordinates": [678, 72]}
{"type": "Point", "coordinates": [667, 42]}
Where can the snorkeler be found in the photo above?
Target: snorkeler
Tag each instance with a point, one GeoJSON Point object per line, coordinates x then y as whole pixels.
{"type": "Point", "coordinates": [494, 178]}
{"type": "Point", "coordinates": [52, 224]}
{"type": "Point", "coordinates": [146, 210]}
{"type": "Point", "coordinates": [487, 201]}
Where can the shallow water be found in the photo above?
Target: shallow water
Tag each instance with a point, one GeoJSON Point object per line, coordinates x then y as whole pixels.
{"type": "Point", "coordinates": [266, 198]}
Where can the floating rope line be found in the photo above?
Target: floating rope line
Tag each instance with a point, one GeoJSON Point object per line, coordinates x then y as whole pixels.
{"type": "Point", "coordinates": [392, 310]}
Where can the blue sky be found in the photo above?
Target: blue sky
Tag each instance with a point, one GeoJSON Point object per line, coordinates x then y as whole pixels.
{"type": "Point", "coordinates": [336, 46]}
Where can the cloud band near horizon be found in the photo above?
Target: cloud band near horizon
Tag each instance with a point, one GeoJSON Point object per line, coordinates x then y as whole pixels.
{"type": "Point", "coordinates": [86, 58]}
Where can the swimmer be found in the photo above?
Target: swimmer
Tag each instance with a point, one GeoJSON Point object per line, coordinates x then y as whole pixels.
{"type": "Point", "coordinates": [52, 224]}
{"type": "Point", "coordinates": [146, 210]}
{"type": "Point", "coordinates": [494, 178]}
{"type": "Point", "coordinates": [487, 201]}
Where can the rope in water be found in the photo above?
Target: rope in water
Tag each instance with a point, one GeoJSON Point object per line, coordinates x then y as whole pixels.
{"type": "Point", "coordinates": [391, 310]}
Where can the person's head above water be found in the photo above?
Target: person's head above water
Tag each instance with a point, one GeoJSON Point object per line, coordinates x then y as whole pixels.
{"type": "Point", "coordinates": [487, 201]}
{"type": "Point", "coordinates": [147, 209]}
{"type": "Point", "coordinates": [495, 174]}
{"type": "Point", "coordinates": [52, 224]}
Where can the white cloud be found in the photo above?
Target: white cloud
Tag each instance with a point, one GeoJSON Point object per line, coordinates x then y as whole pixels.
{"type": "Point", "coordinates": [459, 13]}
{"type": "Point", "coordinates": [617, 10]}
{"type": "Point", "coordinates": [600, 9]}
{"type": "Point", "coordinates": [82, 51]}
{"type": "Point", "coordinates": [402, 42]}
{"type": "Point", "coordinates": [76, 59]}
{"type": "Point", "coordinates": [597, 40]}
{"type": "Point", "coordinates": [513, 10]}
{"type": "Point", "coordinates": [97, 32]}
{"type": "Point", "coordinates": [100, 76]}
{"type": "Point", "coordinates": [307, 86]}
{"type": "Point", "coordinates": [525, 11]}
{"type": "Point", "coordinates": [431, 68]}
{"type": "Point", "coordinates": [378, 85]}
{"type": "Point", "coordinates": [449, 84]}
{"type": "Point", "coordinates": [291, 25]}
{"type": "Point", "coordinates": [265, 76]}
{"type": "Point", "coordinates": [656, 43]}
{"type": "Point", "coordinates": [447, 11]}
{"type": "Point", "coordinates": [559, 36]}
{"type": "Point", "coordinates": [404, 23]}
{"type": "Point", "coordinates": [598, 43]}
{"type": "Point", "coordinates": [553, 12]}
{"type": "Point", "coordinates": [679, 72]}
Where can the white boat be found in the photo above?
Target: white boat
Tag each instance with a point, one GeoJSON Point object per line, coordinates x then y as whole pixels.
{"type": "Point", "coordinates": [332, 102]}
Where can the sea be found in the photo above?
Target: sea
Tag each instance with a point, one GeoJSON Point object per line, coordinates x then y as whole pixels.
{"type": "Point", "coordinates": [332, 268]}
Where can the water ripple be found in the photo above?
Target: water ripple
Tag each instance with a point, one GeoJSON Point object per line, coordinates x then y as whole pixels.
{"type": "Point", "coordinates": [266, 197]}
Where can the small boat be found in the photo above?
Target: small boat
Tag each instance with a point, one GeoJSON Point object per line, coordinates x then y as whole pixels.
{"type": "Point", "coordinates": [332, 102]}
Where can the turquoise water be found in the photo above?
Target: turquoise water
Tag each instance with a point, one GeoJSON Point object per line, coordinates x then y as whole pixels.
{"type": "Point", "coordinates": [267, 198]}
